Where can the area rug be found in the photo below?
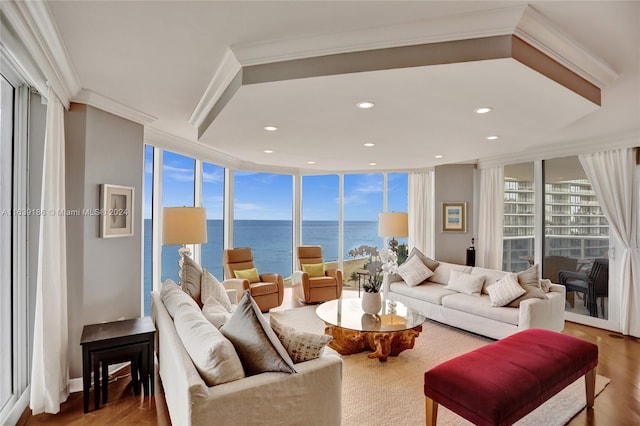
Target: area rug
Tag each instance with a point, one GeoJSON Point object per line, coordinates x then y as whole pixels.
{"type": "Point", "coordinates": [375, 393]}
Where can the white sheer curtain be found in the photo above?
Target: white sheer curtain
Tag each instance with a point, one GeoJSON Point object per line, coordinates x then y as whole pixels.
{"type": "Point", "coordinates": [420, 211]}
{"type": "Point", "coordinates": [50, 366]}
{"type": "Point", "coordinates": [490, 218]}
{"type": "Point", "coordinates": [612, 176]}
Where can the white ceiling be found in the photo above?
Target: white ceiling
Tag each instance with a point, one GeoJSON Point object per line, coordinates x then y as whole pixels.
{"type": "Point", "coordinates": [159, 57]}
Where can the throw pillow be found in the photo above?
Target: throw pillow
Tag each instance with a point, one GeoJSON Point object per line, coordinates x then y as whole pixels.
{"type": "Point", "coordinates": [465, 283]}
{"type": "Point", "coordinates": [211, 287]}
{"type": "Point", "coordinates": [300, 345]}
{"type": "Point", "coordinates": [414, 272]}
{"type": "Point", "coordinates": [428, 262]}
{"type": "Point", "coordinates": [530, 282]}
{"type": "Point", "coordinates": [545, 285]}
{"type": "Point", "coordinates": [212, 354]}
{"type": "Point", "coordinates": [191, 277]}
{"type": "Point", "coordinates": [215, 313]}
{"type": "Point", "coordinates": [314, 269]}
{"type": "Point", "coordinates": [255, 342]}
{"type": "Point", "coordinates": [442, 273]}
{"type": "Point", "coordinates": [505, 290]}
{"type": "Point", "coordinates": [172, 297]}
{"type": "Point", "coordinates": [247, 274]}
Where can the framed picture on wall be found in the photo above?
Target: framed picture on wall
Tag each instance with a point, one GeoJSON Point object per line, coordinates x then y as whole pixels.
{"type": "Point", "coordinates": [454, 217]}
{"type": "Point", "coordinates": [116, 211]}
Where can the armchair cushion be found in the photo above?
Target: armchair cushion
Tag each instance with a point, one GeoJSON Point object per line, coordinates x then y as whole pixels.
{"type": "Point", "coordinates": [255, 342]}
{"type": "Point", "coordinates": [248, 274]}
{"type": "Point", "coordinates": [211, 287]}
{"type": "Point", "coordinates": [314, 269]}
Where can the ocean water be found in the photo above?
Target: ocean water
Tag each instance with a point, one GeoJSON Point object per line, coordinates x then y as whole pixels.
{"type": "Point", "coordinates": [270, 242]}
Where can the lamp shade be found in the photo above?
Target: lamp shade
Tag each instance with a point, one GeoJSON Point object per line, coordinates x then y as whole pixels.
{"type": "Point", "coordinates": [393, 224]}
{"type": "Point", "coordinates": [184, 225]}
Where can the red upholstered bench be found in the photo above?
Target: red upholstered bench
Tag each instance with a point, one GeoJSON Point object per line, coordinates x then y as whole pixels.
{"type": "Point", "coordinates": [500, 383]}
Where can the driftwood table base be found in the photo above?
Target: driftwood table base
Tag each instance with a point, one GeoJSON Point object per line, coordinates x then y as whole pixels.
{"type": "Point", "coordinates": [382, 343]}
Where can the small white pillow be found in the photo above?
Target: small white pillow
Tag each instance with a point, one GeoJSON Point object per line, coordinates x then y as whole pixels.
{"type": "Point", "coordinates": [545, 285]}
{"type": "Point", "coordinates": [505, 290]}
{"type": "Point", "coordinates": [414, 271]}
{"type": "Point", "coordinates": [211, 287]}
{"type": "Point", "coordinates": [215, 313]}
{"type": "Point", "coordinates": [465, 283]}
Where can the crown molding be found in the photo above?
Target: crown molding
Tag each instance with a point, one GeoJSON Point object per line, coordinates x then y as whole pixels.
{"type": "Point", "coordinates": [36, 28]}
{"type": "Point", "coordinates": [164, 140]}
{"type": "Point", "coordinates": [625, 139]}
{"type": "Point", "coordinates": [538, 31]}
{"type": "Point", "coordinates": [224, 75]}
{"type": "Point", "coordinates": [97, 100]}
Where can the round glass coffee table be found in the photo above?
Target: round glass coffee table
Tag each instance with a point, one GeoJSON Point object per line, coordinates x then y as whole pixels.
{"type": "Point", "coordinates": [389, 332]}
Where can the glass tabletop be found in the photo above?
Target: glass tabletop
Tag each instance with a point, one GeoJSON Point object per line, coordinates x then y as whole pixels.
{"type": "Point", "coordinates": [348, 313]}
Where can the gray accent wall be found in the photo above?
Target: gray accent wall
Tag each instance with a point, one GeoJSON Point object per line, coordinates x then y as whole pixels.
{"type": "Point", "coordinates": [453, 183]}
{"type": "Point", "coordinates": [104, 275]}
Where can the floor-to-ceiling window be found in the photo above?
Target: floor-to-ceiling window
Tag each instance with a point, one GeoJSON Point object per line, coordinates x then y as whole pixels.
{"type": "Point", "coordinates": [320, 214]}
{"type": "Point", "coordinates": [519, 217]}
{"type": "Point", "coordinates": [398, 201]}
{"type": "Point", "coordinates": [213, 202]}
{"type": "Point", "coordinates": [6, 265]}
{"type": "Point", "coordinates": [148, 227]}
{"type": "Point", "coordinates": [178, 190]}
{"type": "Point", "coordinates": [262, 209]}
{"type": "Point", "coordinates": [576, 233]}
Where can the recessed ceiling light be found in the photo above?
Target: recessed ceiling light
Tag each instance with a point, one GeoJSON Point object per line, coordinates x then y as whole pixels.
{"type": "Point", "coordinates": [492, 137]}
{"type": "Point", "coordinates": [369, 144]}
{"type": "Point", "coordinates": [483, 110]}
{"type": "Point", "coordinates": [373, 164]}
{"type": "Point", "coordinates": [268, 151]}
{"type": "Point", "coordinates": [365, 104]}
{"type": "Point", "coordinates": [270, 128]}
{"type": "Point", "coordinates": [311, 162]}
{"type": "Point", "coordinates": [439, 156]}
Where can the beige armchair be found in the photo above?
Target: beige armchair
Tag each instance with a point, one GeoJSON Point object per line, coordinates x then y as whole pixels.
{"type": "Point", "coordinates": [266, 289]}
{"type": "Point", "coordinates": [327, 285]}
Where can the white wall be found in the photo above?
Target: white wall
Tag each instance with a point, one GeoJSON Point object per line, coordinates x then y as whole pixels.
{"type": "Point", "coordinates": [104, 275]}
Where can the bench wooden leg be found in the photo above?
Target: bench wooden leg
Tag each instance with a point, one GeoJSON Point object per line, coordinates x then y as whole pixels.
{"type": "Point", "coordinates": [590, 387]}
{"type": "Point", "coordinates": [431, 411]}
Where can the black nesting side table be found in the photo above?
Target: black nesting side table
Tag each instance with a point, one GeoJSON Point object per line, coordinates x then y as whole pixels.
{"type": "Point", "coordinates": [101, 343]}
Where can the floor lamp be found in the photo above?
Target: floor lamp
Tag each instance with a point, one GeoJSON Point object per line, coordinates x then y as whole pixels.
{"type": "Point", "coordinates": [184, 225]}
{"type": "Point", "coordinates": [393, 224]}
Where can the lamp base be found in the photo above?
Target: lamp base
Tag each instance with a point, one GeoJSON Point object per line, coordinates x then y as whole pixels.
{"type": "Point", "coordinates": [184, 250]}
{"type": "Point", "coordinates": [393, 245]}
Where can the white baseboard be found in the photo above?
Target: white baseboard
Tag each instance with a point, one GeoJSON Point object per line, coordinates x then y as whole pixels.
{"type": "Point", "coordinates": [14, 413]}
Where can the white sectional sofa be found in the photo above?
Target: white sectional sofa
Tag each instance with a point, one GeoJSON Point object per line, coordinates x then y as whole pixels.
{"type": "Point", "coordinates": [474, 313]}
{"type": "Point", "coordinates": [312, 395]}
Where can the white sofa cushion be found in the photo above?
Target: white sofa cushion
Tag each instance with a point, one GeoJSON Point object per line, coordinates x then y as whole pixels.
{"type": "Point", "coordinates": [212, 354]}
{"type": "Point", "coordinates": [505, 290]}
{"type": "Point", "coordinates": [172, 296]}
{"type": "Point", "coordinates": [481, 306]}
{"type": "Point", "coordinates": [491, 276]}
{"type": "Point", "coordinates": [428, 291]}
{"type": "Point", "coordinates": [465, 283]}
{"type": "Point", "coordinates": [442, 273]}
{"type": "Point", "coordinates": [414, 271]}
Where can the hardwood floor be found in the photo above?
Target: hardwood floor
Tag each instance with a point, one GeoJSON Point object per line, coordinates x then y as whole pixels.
{"type": "Point", "coordinates": [618, 404]}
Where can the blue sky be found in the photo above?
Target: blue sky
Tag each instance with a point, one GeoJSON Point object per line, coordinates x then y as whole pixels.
{"type": "Point", "coordinates": [265, 196]}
